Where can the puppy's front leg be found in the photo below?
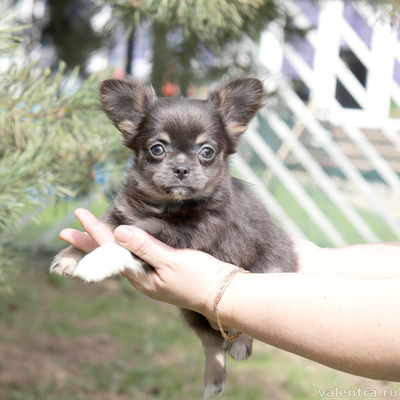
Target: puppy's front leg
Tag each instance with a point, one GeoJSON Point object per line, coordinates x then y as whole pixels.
{"type": "Point", "coordinates": [106, 261]}
{"type": "Point", "coordinates": [111, 258]}
{"type": "Point", "coordinates": [66, 261]}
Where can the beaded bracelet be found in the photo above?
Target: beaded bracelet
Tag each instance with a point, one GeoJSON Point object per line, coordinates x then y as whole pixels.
{"type": "Point", "coordinates": [220, 291]}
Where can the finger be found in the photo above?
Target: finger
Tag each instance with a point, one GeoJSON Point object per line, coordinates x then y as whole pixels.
{"type": "Point", "coordinates": [81, 240]}
{"type": "Point", "coordinates": [146, 247]}
{"type": "Point", "coordinates": [99, 232]}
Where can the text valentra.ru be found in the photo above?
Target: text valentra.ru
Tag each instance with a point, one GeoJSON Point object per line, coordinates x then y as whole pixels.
{"type": "Point", "coordinates": [358, 393]}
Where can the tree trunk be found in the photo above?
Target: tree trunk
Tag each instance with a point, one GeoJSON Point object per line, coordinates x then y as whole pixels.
{"type": "Point", "coordinates": [129, 53]}
{"type": "Point", "coordinates": [160, 57]}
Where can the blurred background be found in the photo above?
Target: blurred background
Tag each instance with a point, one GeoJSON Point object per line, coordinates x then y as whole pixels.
{"type": "Point", "coordinates": [324, 156]}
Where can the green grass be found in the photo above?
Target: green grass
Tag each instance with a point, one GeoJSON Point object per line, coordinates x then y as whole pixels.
{"type": "Point", "coordinates": [63, 339]}
{"type": "Point", "coordinates": [327, 207]}
{"type": "Point", "coordinates": [332, 212]}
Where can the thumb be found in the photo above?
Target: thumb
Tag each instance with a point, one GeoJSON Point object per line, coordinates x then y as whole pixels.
{"type": "Point", "coordinates": [145, 246]}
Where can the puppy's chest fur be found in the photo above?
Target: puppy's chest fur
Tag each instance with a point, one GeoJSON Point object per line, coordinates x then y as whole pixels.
{"type": "Point", "coordinates": [233, 226]}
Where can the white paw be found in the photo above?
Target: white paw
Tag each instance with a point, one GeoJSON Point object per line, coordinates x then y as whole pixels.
{"type": "Point", "coordinates": [214, 390]}
{"type": "Point", "coordinates": [106, 261]}
{"type": "Point", "coordinates": [66, 261]}
{"type": "Point", "coordinates": [63, 265]}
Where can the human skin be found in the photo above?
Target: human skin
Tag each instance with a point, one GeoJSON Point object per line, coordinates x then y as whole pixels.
{"type": "Point", "coordinates": [340, 310]}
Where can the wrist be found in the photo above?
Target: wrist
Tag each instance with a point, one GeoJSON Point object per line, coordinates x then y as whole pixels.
{"type": "Point", "coordinates": [214, 282]}
{"type": "Point", "coordinates": [227, 296]}
{"type": "Point", "coordinates": [220, 292]}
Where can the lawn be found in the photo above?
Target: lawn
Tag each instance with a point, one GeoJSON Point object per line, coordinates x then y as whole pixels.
{"type": "Point", "coordinates": [63, 339]}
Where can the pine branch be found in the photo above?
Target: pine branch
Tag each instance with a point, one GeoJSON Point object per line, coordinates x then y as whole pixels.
{"type": "Point", "coordinates": [54, 141]}
{"type": "Point", "coordinates": [8, 40]}
{"type": "Point", "coordinates": [207, 20]}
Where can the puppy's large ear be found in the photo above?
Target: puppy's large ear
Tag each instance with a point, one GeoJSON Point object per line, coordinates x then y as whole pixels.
{"type": "Point", "coordinates": [238, 102]}
{"type": "Point", "coordinates": [126, 102]}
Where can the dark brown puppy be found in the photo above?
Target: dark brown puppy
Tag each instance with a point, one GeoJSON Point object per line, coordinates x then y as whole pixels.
{"type": "Point", "coordinates": [180, 190]}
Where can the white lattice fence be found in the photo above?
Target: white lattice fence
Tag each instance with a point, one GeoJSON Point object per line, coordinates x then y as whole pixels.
{"type": "Point", "coordinates": [331, 34]}
{"type": "Point", "coordinates": [324, 119]}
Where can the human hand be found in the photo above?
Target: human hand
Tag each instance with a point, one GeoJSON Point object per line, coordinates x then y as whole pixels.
{"type": "Point", "coordinates": [183, 277]}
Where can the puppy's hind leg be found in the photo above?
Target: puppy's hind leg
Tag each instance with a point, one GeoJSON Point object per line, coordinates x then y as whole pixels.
{"type": "Point", "coordinates": [241, 348]}
{"type": "Point", "coordinates": [215, 372]}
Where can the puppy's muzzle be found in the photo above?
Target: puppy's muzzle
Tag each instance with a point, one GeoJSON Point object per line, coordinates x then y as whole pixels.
{"type": "Point", "coordinates": [181, 172]}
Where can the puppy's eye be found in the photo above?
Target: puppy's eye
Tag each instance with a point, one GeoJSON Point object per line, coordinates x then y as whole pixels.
{"type": "Point", "coordinates": [207, 152]}
{"type": "Point", "coordinates": [157, 150]}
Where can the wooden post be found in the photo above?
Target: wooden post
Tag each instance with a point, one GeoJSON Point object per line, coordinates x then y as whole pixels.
{"type": "Point", "coordinates": [327, 49]}
{"type": "Point", "coordinates": [380, 74]}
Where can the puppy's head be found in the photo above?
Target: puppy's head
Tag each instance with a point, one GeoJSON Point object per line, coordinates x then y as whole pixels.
{"type": "Point", "coordinates": [181, 145]}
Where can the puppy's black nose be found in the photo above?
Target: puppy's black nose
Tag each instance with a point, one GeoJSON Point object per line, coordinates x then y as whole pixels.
{"type": "Point", "coordinates": [181, 172]}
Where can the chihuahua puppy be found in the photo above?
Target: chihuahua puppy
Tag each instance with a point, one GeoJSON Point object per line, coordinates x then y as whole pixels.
{"type": "Point", "coordinates": [180, 190]}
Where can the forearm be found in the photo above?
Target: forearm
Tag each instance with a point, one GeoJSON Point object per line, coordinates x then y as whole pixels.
{"type": "Point", "coordinates": [328, 314]}
{"type": "Point", "coordinates": [375, 259]}
{"type": "Point", "coordinates": [344, 322]}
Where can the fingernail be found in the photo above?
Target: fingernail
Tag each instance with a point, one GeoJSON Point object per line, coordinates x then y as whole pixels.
{"type": "Point", "coordinates": [123, 235]}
